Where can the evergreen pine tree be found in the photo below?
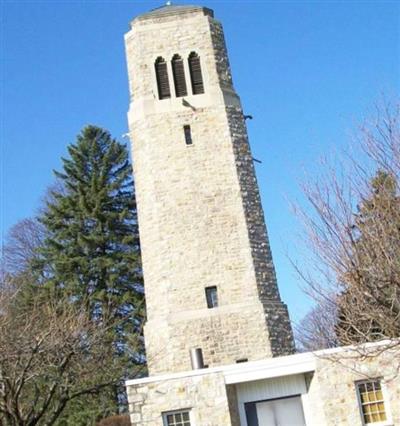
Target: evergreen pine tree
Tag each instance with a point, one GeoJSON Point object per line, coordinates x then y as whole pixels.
{"type": "Point", "coordinates": [91, 254]}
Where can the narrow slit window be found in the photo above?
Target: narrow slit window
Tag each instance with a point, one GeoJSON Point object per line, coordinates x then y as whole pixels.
{"type": "Point", "coordinates": [164, 91]}
{"type": "Point", "coordinates": [211, 297]}
{"type": "Point", "coordinates": [195, 74]}
{"type": "Point", "coordinates": [179, 76]}
{"type": "Point", "coordinates": [188, 135]}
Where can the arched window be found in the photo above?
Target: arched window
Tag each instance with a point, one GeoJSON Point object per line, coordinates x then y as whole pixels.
{"type": "Point", "coordinates": [195, 74]}
{"type": "Point", "coordinates": [179, 76]}
{"type": "Point", "coordinates": [162, 78]}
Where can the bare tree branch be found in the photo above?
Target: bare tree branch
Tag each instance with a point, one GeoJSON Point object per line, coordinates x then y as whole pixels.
{"type": "Point", "coordinates": [51, 352]}
{"type": "Point", "coordinates": [352, 228]}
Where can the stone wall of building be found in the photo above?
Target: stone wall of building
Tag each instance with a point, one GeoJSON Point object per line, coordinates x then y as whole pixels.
{"type": "Point", "coordinates": [204, 395]}
{"type": "Point", "coordinates": [276, 313]}
{"type": "Point", "coordinates": [225, 336]}
{"type": "Point", "coordinates": [200, 218]}
{"type": "Point", "coordinates": [332, 389]}
{"type": "Point", "coordinates": [233, 405]}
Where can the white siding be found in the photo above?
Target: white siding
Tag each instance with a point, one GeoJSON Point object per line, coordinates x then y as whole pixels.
{"type": "Point", "coordinates": [268, 389]}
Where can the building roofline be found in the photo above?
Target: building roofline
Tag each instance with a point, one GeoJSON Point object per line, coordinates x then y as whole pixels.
{"type": "Point", "coordinates": [246, 371]}
{"type": "Point", "coordinates": [266, 368]}
{"type": "Point", "coordinates": [170, 10]}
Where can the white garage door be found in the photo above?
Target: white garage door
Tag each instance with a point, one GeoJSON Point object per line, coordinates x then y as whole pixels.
{"type": "Point", "coordinates": [281, 412]}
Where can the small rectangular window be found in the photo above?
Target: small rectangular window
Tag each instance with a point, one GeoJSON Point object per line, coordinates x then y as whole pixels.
{"type": "Point", "coordinates": [212, 297]}
{"type": "Point", "coordinates": [371, 401]}
{"type": "Point", "coordinates": [188, 135]}
{"type": "Point", "coordinates": [177, 418]}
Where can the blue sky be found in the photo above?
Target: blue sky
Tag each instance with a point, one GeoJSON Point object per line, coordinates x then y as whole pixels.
{"type": "Point", "coordinates": [307, 71]}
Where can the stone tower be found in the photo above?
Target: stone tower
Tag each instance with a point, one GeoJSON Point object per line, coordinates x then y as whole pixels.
{"type": "Point", "coordinates": [209, 277]}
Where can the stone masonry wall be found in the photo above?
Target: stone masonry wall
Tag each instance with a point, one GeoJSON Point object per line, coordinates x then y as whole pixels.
{"type": "Point", "coordinates": [220, 53]}
{"type": "Point", "coordinates": [233, 405]}
{"type": "Point", "coordinates": [225, 335]}
{"type": "Point", "coordinates": [200, 217]}
{"type": "Point", "coordinates": [192, 227]}
{"type": "Point", "coordinates": [204, 395]}
{"type": "Point", "coordinates": [276, 313]}
{"type": "Point", "coordinates": [332, 389]}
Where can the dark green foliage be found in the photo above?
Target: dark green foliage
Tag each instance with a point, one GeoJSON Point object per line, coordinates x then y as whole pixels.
{"type": "Point", "coordinates": [88, 409]}
{"type": "Point", "coordinates": [93, 249]}
{"type": "Point", "coordinates": [115, 421]}
{"type": "Point", "coordinates": [91, 254]}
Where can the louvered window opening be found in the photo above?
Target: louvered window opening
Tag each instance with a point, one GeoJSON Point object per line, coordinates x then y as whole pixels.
{"type": "Point", "coordinates": [195, 74]}
{"type": "Point", "coordinates": [164, 91]}
{"type": "Point", "coordinates": [179, 76]}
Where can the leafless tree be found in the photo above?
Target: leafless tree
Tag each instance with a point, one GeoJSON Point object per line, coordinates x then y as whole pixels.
{"type": "Point", "coordinates": [51, 353]}
{"type": "Point", "coordinates": [21, 243]}
{"type": "Point", "coordinates": [317, 329]}
{"type": "Point", "coordinates": [352, 223]}
{"type": "Point", "coordinates": [26, 236]}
